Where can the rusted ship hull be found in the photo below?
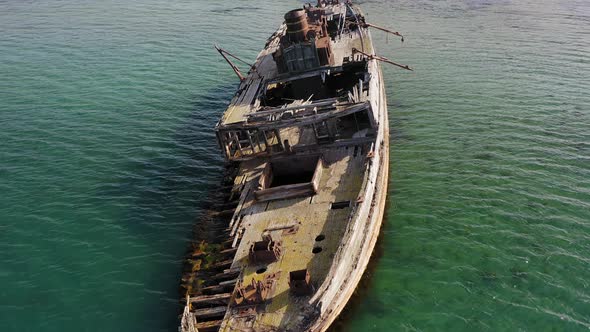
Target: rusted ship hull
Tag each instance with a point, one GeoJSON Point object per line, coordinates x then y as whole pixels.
{"type": "Point", "coordinates": [307, 133]}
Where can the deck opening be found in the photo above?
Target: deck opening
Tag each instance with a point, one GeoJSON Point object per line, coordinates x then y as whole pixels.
{"type": "Point", "coordinates": [340, 205]}
{"type": "Point", "coordinates": [290, 177]}
{"type": "Point", "coordinates": [316, 250]}
{"type": "Point", "coordinates": [320, 237]}
{"type": "Point", "coordinates": [300, 282]}
{"type": "Point", "coordinates": [318, 87]}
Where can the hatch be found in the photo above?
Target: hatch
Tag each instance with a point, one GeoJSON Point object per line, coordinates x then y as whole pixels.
{"type": "Point", "coordinates": [290, 177]}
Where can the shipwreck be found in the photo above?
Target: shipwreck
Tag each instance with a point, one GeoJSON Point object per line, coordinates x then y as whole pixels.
{"type": "Point", "coordinates": [306, 141]}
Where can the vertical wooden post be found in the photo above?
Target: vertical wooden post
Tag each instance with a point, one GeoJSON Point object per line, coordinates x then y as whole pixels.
{"type": "Point", "coordinates": [250, 139]}
{"type": "Point", "coordinates": [257, 136]}
{"type": "Point", "coordinates": [279, 139]}
{"type": "Point", "coordinates": [236, 139]}
{"type": "Point", "coordinates": [266, 141]}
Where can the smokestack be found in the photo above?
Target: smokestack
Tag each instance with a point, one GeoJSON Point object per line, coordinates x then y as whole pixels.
{"type": "Point", "coordinates": [297, 26]}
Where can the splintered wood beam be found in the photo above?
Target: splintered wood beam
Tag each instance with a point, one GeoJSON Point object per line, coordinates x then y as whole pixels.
{"type": "Point", "coordinates": [327, 102]}
{"type": "Point", "coordinates": [320, 117]}
{"type": "Point", "coordinates": [208, 326]}
{"type": "Point", "coordinates": [223, 143]}
{"type": "Point", "coordinates": [337, 143]}
{"type": "Point", "coordinates": [265, 140]}
{"type": "Point", "coordinates": [278, 135]}
{"type": "Point", "coordinates": [278, 228]}
{"type": "Point", "coordinates": [300, 122]}
{"type": "Point", "coordinates": [226, 263]}
{"type": "Point", "coordinates": [250, 140]}
{"type": "Point", "coordinates": [209, 312]}
{"type": "Point", "coordinates": [257, 138]}
{"type": "Point", "coordinates": [210, 299]}
{"type": "Point", "coordinates": [228, 282]}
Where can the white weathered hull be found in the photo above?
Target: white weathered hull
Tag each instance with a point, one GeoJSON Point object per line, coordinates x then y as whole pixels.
{"type": "Point", "coordinates": [356, 250]}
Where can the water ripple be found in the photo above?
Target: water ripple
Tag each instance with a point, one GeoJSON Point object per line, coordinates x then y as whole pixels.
{"type": "Point", "coordinates": [107, 156]}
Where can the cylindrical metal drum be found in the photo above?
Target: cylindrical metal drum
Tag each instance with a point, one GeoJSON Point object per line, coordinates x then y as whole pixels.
{"type": "Point", "coordinates": [297, 26]}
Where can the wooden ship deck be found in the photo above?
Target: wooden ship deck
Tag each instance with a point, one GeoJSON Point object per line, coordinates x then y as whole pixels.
{"type": "Point", "coordinates": [306, 136]}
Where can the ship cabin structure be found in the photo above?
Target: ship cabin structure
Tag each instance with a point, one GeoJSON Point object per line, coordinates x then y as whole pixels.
{"type": "Point", "coordinates": [307, 89]}
{"type": "Point", "coordinates": [307, 130]}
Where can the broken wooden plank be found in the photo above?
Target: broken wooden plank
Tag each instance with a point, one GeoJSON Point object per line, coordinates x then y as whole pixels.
{"type": "Point", "coordinates": [215, 289]}
{"type": "Point", "coordinates": [278, 228]}
{"type": "Point", "coordinates": [209, 326]}
{"type": "Point", "coordinates": [206, 313]}
{"type": "Point", "coordinates": [211, 299]}
{"type": "Point", "coordinates": [326, 102]}
{"type": "Point", "coordinates": [227, 212]}
{"type": "Point", "coordinates": [223, 264]}
{"type": "Point", "coordinates": [228, 251]}
{"type": "Point", "coordinates": [286, 191]}
{"type": "Point", "coordinates": [228, 282]}
{"type": "Point", "coordinates": [300, 122]}
{"type": "Point", "coordinates": [226, 275]}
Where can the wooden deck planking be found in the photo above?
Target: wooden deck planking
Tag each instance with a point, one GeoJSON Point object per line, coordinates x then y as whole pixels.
{"type": "Point", "coordinates": [341, 180]}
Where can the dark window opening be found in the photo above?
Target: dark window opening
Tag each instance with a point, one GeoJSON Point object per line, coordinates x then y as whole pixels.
{"type": "Point", "coordinates": [354, 125]}
{"type": "Point", "coordinates": [334, 27]}
{"type": "Point", "coordinates": [261, 270]}
{"type": "Point", "coordinates": [316, 250]}
{"type": "Point", "coordinates": [340, 205]}
{"type": "Point", "coordinates": [320, 237]}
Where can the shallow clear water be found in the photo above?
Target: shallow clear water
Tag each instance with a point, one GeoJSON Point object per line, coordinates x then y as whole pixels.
{"type": "Point", "coordinates": [107, 151]}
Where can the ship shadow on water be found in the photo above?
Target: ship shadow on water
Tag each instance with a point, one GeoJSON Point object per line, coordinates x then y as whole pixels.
{"type": "Point", "coordinates": [179, 184]}
{"type": "Point", "coordinates": [171, 195]}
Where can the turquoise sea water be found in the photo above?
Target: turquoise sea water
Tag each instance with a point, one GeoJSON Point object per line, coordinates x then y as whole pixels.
{"type": "Point", "coordinates": [107, 153]}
